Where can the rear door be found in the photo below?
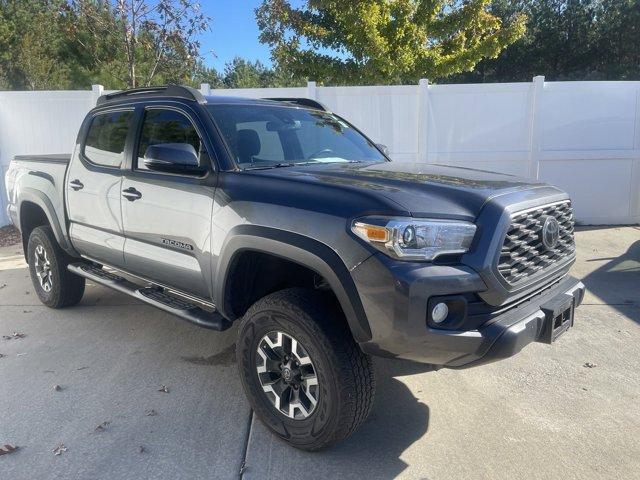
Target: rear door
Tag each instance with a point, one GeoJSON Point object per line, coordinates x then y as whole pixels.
{"type": "Point", "coordinates": [93, 185]}
{"type": "Point", "coordinates": [167, 216]}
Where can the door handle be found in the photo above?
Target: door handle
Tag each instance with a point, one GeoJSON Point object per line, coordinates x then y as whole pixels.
{"type": "Point", "coordinates": [76, 184]}
{"type": "Point", "coordinates": [131, 194]}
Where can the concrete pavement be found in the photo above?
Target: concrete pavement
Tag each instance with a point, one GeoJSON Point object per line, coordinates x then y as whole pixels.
{"type": "Point", "coordinates": [541, 414]}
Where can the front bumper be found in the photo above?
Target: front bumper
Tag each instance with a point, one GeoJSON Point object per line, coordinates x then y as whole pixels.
{"type": "Point", "coordinates": [396, 296]}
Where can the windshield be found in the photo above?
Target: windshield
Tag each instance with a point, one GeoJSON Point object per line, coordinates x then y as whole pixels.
{"type": "Point", "coordinates": [273, 136]}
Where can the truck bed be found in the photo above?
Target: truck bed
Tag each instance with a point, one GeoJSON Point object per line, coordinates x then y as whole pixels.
{"type": "Point", "coordinates": [41, 182]}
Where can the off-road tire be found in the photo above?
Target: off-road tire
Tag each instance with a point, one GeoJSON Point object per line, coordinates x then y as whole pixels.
{"type": "Point", "coordinates": [346, 382]}
{"type": "Point", "coordinates": [66, 288]}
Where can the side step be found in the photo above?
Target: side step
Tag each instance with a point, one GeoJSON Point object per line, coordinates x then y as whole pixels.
{"type": "Point", "coordinates": [153, 296]}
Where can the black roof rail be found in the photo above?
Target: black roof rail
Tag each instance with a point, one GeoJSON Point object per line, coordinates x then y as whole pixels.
{"type": "Point", "coordinates": [176, 91]}
{"type": "Point", "coordinates": [304, 102]}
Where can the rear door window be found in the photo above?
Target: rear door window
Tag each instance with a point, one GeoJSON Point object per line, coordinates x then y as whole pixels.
{"type": "Point", "coordinates": [106, 138]}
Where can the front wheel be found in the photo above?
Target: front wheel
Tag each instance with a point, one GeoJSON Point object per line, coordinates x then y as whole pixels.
{"type": "Point", "coordinates": [55, 285]}
{"type": "Point", "coordinates": [304, 375]}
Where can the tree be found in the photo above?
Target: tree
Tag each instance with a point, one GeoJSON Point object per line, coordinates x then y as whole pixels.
{"type": "Point", "coordinates": [32, 43]}
{"type": "Point", "coordinates": [242, 73]}
{"type": "Point", "coordinates": [382, 41]}
{"type": "Point", "coordinates": [153, 40]}
{"type": "Point", "coordinates": [618, 39]}
{"type": "Point", "coordinates": [566, 40]}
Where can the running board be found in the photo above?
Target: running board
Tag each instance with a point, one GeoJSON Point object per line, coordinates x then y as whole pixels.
{"type": "Point", "coordinates": [153, 296]}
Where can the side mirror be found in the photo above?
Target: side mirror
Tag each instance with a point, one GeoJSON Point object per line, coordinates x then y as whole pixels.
{"type": "Point", "coordinates": [383, 148]}
{"type": "Point", "coordinates": [173, 158]}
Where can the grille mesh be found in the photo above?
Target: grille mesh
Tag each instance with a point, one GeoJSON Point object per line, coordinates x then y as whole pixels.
{"type": "Point", "coordinates": [523, 253]}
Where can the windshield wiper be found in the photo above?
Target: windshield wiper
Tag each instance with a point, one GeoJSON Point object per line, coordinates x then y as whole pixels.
{"type": "Point", "coordinates": [298, 164]}
{"type": "Point", "coordinates": [275, 165]}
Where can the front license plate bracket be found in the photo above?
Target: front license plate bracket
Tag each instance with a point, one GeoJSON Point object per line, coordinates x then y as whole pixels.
{"type": "Point", "coordinates": [558, 314]}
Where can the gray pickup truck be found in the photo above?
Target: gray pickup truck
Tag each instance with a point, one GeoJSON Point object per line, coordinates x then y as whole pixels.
{"type": "Point", "coordinates": [281, 216]}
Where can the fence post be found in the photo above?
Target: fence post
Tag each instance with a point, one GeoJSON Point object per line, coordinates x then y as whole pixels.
{"type": "Point", "coordinates": [634, 200]}
{"type": "Point", "coordinates": [422, 120]}
{"type": "Point", "coordinates": [311, 90]}
{"type": "Point", "coordinates": [534, 127]}
{"type": "Point", "coordinates": [205, 89]}
{"type": "Point", "coordinates": [96, 91]}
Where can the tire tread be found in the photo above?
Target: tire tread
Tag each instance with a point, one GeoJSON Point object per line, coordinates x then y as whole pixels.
{"type": "Point", "coordinates": [71, 287]}
{"type": "Point", "coordinates": [326, 324]}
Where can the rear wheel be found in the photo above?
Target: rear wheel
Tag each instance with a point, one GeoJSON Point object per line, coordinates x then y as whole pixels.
{"type": "Point", "coordinates": [304, 375]}
{"type": "Point", "coordinates": [55, 285]}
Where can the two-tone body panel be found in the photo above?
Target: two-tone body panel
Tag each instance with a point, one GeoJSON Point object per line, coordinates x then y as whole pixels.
{"type": "Point", "coordinates": [185, 231]}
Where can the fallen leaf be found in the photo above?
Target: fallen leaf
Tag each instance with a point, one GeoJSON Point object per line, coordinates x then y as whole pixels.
{"type": "Point", "coordinates": [2, 286]}
{"type": "Point", "coordinates": [7, 449]}
{"type": "Point", "coordinates": [14, 336]}
{"type": "Point", "coordinates": [59, 449]}
{"type": "Point", "coordinates": [150, 413]}
{"type": "Point", "coordinates": [164, 389]}
{"type": "Point", "coordinates": [590, 365]}
{"type": "Point", "coordinates": [102, 427]}
{"type": "Point", "coordinates": [141, 449]}
{"type": "Point", "coordinates": [57, 388]}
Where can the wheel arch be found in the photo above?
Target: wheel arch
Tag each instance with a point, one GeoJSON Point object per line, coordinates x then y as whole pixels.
{"type": "Point", "coordinates": [33, 209]}
{"type": "Point", "coordinates": [304, 251]}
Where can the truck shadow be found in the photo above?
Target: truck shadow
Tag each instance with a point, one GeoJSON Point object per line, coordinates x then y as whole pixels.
{"type": "Point", "coordinates": [398, 420]}
{"type": "Point", "coordinates": [617, 282]}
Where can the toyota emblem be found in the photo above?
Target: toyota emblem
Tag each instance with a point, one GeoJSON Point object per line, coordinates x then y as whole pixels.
{"type": "Point", "coordinates": [550, 233]}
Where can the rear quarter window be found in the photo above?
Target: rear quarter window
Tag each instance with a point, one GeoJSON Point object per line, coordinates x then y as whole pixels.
{"type": "Point", "coordinates": [106, 138]}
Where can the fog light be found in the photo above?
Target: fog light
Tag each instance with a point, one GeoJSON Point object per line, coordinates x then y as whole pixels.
{"type": "Point", "coordinates": [439, 312]}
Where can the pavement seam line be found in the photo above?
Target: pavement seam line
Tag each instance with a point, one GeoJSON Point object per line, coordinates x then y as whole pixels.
{"type": "Point", "coordinates": [243, 464]}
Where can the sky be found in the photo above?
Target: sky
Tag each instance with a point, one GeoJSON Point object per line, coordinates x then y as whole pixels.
{"type": "Point", "coordinates": [233, 32]}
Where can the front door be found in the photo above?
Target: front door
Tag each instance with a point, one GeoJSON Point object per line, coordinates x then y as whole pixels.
{"type": "Point", "coordinates": [93, 187]}
{"type": "Point", "coordinates": [167, 216]}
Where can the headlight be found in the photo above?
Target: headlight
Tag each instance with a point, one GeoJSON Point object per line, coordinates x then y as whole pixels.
{"type": "Point", "coordinates": [415, 239]}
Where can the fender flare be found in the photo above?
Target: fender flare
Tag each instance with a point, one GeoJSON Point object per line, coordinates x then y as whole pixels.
{"type": "Point", "coordinates": [305, 251]}
{"type": "Point", "coordinates": [41, 200]}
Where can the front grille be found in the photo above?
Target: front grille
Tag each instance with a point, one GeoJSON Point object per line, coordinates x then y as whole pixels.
{"type": "Point", "coordinates": [523, 254]}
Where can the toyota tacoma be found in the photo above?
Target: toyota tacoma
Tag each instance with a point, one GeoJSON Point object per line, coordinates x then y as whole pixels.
{"type": "Point", "coordinates": [282, 217]}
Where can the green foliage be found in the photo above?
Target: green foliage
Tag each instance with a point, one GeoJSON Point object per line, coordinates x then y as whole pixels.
{"type": "Point", "coordinates": [71, 44]}
{"type": "Point", "coordinates": [62, 44]}
{"type": "Point", "coordinates": [567, 40]}
{"type": "Point", "coordinates": [152, 41]}
{"type": "Point", "coordinates": [241, 73]}
{"type": "Point", "coordinates": [383, 41]}
{"type": "Point", "coordinates": [32, 42]}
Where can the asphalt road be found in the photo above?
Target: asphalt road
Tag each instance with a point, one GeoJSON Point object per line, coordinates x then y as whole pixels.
{"type": "Point", "coordinates": [541, 414]}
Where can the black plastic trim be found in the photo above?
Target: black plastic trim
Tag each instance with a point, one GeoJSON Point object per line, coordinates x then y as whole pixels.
{"type": "Point", "coordinates": [171, 90]}
{"type": "Point", "coordinates": [305, 251]}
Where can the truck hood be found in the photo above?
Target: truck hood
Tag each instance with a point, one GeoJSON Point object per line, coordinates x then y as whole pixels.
{"type": "Point", "coordinates": [419, 188]}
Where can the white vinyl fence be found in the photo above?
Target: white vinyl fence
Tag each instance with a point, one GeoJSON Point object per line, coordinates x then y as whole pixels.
{"type": "Point", "coordinates": [581, 136]}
